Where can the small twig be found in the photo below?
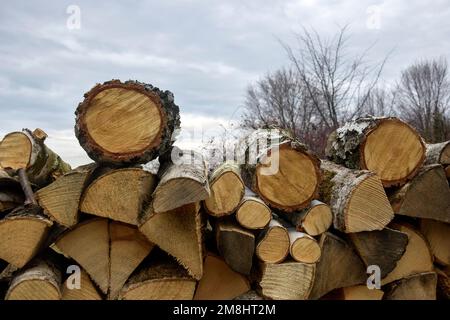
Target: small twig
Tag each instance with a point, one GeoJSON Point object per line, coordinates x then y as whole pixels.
{"type": "Point", "coordinates": [26, 187]}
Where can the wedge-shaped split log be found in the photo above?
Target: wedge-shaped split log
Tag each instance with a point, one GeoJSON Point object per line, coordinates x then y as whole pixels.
{"type": "Point", "coordinates": [420, 286]}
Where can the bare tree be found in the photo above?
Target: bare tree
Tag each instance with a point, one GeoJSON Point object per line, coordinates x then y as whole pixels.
{"type": "Point", "coordinates": [423, 98]}
{"type": "Point", "coordinates": [338, 83]}
{"type": "Point", "coordinates": [380, 102]}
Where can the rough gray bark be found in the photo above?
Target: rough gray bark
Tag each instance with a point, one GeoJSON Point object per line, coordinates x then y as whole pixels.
{"type": "Point", "coordinates": [438, 153]}
{"type": "Point", "coordinates": [171, 124]}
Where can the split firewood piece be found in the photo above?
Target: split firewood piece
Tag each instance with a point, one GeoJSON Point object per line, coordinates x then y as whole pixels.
{"type": "Point", "coordinates": [88, 244]}
{"type": "Point", "coordinates": [314, 220]}
{"type": "Point", "coordinates": [179, 233]}
{"type": "Point", "coordinates": [443, 284]}
{"type": "Point", "coordinates": [22, 234]}
{"type": "Point", "coordinates": [338, 267]}
{"type": "Point", "coordinates": [128, 249]}
{"type": "Point", "coordinates": [438, 236]}
{"type": "Point", "coordinates": [39, 281]}
{"type": "Point", "coordinates": [275, 161]}
{"type": "Point", "coordinates": [273, 243]}
{"type": "Point", "coordinates": [251, 295]}
{"type": "Point", "coordinates": [286, 281]}
{"type": "Point", "coordinates": [382, 248]}
{"type": "Point", "coordinates": [227, 190]}
{"type": "Point", "coordinates": [27, 150]}
{"type": "Point", "coordinates": [359, 292]}
{"type": "Point", "coordinates": [219, 282]}
{"type": "Point", "coordinates": [60, 200]}
{"type": "Point", "coordinates": [417, 257]}
{"type": "Point", "coordinates": [420, 286]}
{"type": "Point", "coordinates": [357, 199]}
{"type": "Point", "coordinates": [252, 213]}
{"type": "Point", "coordinates": [161, 279]}
{"type": "Point", "coordinates": [387, 146]}
{"type": "Point", "coordinates": [183, 180]}
{"type": "Point", "coordinates": [438, 153]}
{"type": "Point", "coordinates": [11, 194]}
{"type": "Point", "coordinates": [426, 196]}
{"type": "Point", "coordinates": [236, 245]}
{"type": "Point", "coordinates": [126, 122]}
{"type": "Point", "coordinates": [303, 247]}
{"type": "Point", "coordinates": [120, 194]}
{"type": "Point", "coordinates": [86, 291]}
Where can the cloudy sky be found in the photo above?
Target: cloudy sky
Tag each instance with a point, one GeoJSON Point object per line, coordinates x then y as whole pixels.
{"type": "Point", "coordinates": [205, 52]}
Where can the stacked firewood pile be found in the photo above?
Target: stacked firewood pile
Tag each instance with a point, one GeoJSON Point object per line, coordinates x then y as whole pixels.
{"type": "Point", "coordinates": [150, 221]}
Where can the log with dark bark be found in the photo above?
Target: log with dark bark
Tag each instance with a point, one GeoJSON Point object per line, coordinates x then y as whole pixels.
{"type": "Point", "coordinates": [338, 267]}
{"type": "Point", "coordinates": [252, 213]}
{"type": "Point", "coordinates": [160, 279]}
{"type": "Point", "coordinates": [126, 122]}
{"type": "Point", "coordinates": [438, 153]}
{"type": "Point", "coordinates": [236, 245]}
{"type": "Point", "coordinates": [387, 146]}
{"type": "Point", "coordinates": [438, 237]}
{"type": "Point", "coordinates": [179, 233]}
{"type": "Point", "coordinates": [356, 198]}
{"type": "Point", "coordinates": [426, 196]}
{"type": "Point", "coordinates": [382, 248]}
{"type": "Point", "coordinates": [27, 150]}
{"type": "Point", "coordinates": [227, 190]}
{"type": "Point", "coordinates": [417, 257]}
{"type": "Point", "coordinates": [39, 281]}
{"type": "Point", "coordinates": [314, 220]}
{"type": "Point", "coordinates": [420, 286]}
{"type": "Point", "coordinates": [120, 194]}
{"type": "Point", "coordinates": [443, 284]}
{"type": "Point", "coordinates": [286, 281]}
{"type": "Point", "coordinates": [11, 194]}
{"type": "Point", "coordinates": [273, 243]}
{"type": "Point", "coordinates": [22, 234]}
{"type": "Point", "coordinates": [219, 282]}
{"type": "Point", "coordinates": [61, 199]}
{"type": "Point", "coordinates": [183, 180]}
{"type": "Point", "coordinates": [275, 161]}
{"type": "Point", "coordinates": [303, 247]}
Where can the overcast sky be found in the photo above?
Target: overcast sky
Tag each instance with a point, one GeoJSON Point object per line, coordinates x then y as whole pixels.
{"type": "Point", "coordinates": [205, 52]}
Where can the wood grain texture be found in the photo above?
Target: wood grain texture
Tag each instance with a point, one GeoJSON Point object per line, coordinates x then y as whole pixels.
{"type": "Point", "coordinates": [420, 286]}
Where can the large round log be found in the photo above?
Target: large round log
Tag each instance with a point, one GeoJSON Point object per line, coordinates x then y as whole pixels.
{"type": "Point", "coordinates": [126, 122]}
{"type": "Point", "coordinates": [387, 146]}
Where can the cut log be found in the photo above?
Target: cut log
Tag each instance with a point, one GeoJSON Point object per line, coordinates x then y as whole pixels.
{"type": "Point", "coordinates": [125, 123]}
{"type": "Point", "coordinates": [273, 162]}
{"type": "Point", "coordinates": [426, 196]}
{"type": "Point", "coordinates": [236, 245]}
{"type": "Point", "coordinates": [314, 220]}
{"type": "Point", "coordinates": [39, 281]}
{"type": "Point", "coordinates": [179, 233]}
{"type": "Point", "coordinates": [60, 200]}
{"type": "Point", "coordinates": [162, 279]}
{"type": "Point", "coordinates": [219, 282]}
{"type": "Point", "coordinates": [87, 290]}
{"type": "Point", "coordinates": [387, 146]}
{"type": "Point", "coordinates": [420, 286]}
{"type": "Point", "coordinates": [120, 194]}
{"type": "Point", "coordinates": [273, 243]}
{"type": "Point", "coordinates": [128, 249]}
{"type": "Point", "coordinates": [416, 259]}
{"type": "Point", "coordinates": [360, 292]}
{"type": "Point", "coordinates": [88, 244]}
{"type": "Point", "coordinates": [22, 234]}
{"type": "Point", "coordinates": [286, 281]}
{"type": "Point", "coordinates": [227, 190]}
{"type": "Point", "coordinates": [303, 248]}
{"type": "Point", "coordinates": [338, 267]}
{"type": "Point", "coordinates": [438, 236]}
{"type": "Point", "coordinates": [252, 213]}
{"type": "Point", "coordinates": [438, 153]}
{"type": "Point", "coordinates": [27, 150]}
{"type": "Point", "coordinates": [183, 180]}
{"type": "Point", "coordinates": [357, 199]}
{"type": "Point", "coordinates": [382, 248]}
{"type": "Point", "coordinates": [443, 284]}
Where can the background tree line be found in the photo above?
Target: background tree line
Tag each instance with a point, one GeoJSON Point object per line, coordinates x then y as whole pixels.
{"type": "Point", "coordinates": [326, 85]}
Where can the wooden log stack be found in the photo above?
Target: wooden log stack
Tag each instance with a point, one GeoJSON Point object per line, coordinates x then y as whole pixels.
{"type": "Point", "coordinates": [370, 222]}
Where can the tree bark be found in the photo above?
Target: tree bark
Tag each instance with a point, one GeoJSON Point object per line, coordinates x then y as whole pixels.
{"type": "Point", "coordinates": [438, 153]}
